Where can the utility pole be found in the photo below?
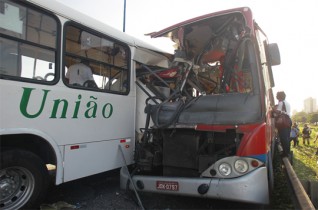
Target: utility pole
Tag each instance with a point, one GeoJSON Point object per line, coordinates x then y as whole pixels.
{"type": "Point", "coordinates": [124, 23]}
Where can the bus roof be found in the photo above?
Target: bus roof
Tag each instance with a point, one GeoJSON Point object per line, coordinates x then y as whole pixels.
{"type": "Point", "coordinates": [76, 16]}
{"type": "Point", "coordinates": [247, 13]}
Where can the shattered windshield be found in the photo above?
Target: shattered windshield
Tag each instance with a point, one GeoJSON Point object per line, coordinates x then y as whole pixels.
{"type": "Point", "coordinates": [213, 75]}
{"type": "Point", "coordinates": [212, 56]}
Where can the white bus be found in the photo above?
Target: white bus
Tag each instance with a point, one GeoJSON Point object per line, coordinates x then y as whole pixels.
{"type": "Point", "coordinates": [45, 120]}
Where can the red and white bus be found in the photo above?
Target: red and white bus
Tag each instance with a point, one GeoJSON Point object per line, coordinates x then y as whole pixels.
{"type": "Point", "coordinates": [209, 131]}
{"type": "Point", "coordinates": [46, 122]}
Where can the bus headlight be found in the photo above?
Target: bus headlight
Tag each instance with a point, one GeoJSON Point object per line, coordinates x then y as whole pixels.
{"type": "Point", "coordinates": [231, 167]}
{"type": "Point", "coordinates": [225, 169]}
{"type": "Point", "coordinates": [241, 166]}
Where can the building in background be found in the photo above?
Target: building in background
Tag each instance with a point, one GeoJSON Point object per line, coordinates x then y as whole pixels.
{"type": "Point", "coordinates": [310, 105]}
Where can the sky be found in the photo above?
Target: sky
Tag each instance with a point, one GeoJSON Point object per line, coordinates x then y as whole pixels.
{"type": "Point", "coordinates": [292, 24]}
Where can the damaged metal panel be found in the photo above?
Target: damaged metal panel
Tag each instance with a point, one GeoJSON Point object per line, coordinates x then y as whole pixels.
{"type": "Point", "coordinates": [223, 109]}
{"type": "Point", "coordinates": [218, 110]}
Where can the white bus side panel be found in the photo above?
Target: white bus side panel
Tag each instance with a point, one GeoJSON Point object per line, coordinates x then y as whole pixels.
{"type": "Point", "coordinates": [90, 124]}
{"type": "Point", "coordinates": [91, 158]}
{"type": "Point", "coordinates": [89, 117]}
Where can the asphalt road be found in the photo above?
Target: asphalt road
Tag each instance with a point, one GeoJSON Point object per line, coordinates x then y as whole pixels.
{"type": "Point", "coordinates": [102, 192]}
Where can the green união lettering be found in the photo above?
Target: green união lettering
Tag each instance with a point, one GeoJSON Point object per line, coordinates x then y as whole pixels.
{"type": "Point", "coordinates": [77, 105]}
{"type": "Point", "coordinates": [61, 106]}
{"type": "Point", "coordinates": [92, 108]}
{"type": "Point", "coordinates": [57, 102]}
{"type": "Point", "coordinates": [25, 102]}
{"type": "Point", "coordinates": [107, 110]}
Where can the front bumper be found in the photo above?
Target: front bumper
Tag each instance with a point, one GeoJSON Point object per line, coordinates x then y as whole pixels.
{"type": "Point", "coordinates": [250, 188]}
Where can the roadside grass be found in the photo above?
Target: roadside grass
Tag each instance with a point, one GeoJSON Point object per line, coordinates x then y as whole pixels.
{"type": "Point", "coordinates": [305, 162]}
{"type": "Point", "coordinates": [281, 198]}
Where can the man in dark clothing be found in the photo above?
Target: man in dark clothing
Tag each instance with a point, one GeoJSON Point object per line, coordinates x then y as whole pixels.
{"type": "Point", "coordinates": [284, 133]}
{"type": "Point", "coordinates": [306, 134]}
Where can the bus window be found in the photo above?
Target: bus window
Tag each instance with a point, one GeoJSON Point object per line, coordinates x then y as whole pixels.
{"type": "Point", "coordinates": [106, 58]}
{"type": "Point", "coordinates": [28, 44]}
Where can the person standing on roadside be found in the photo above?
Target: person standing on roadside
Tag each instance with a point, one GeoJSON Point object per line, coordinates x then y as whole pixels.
{"type": "Point", "coordinates": [306, 134]}
{"type": "Point", "coordinates": [283, 133]}
{"type": "Point", "coordinates": [294, 133]}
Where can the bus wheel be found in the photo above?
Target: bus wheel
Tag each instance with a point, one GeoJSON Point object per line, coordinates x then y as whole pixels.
{"type": "Point", "coordinates": [23, 179]}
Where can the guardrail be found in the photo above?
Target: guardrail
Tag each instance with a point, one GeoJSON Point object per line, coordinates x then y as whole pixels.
{"type": "Point", "coordinates": [311, 187]}
{"type": "Point", "coordinates": [301, 198]}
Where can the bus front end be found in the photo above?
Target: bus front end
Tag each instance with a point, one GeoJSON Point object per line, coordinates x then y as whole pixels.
{"type": "Point", "coordinates": [207, 126]}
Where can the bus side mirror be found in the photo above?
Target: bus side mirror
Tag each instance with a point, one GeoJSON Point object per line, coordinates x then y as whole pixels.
{"type": "Point", "coordinates": [274, 54]}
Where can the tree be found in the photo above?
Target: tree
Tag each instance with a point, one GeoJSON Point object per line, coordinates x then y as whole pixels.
{"type": "Point", "coordinates": [313, 117]}
{"type": "Point", "coordinates": [300, 117]}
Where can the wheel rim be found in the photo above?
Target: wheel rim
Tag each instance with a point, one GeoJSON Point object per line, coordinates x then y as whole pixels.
{"type": "Point", "coordinates": [16, 187]}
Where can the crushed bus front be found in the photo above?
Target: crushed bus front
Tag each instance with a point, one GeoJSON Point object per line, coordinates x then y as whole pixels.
{"type": "Point", "coordinates": [207, 129]}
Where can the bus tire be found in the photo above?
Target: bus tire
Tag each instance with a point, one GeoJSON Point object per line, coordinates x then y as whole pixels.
{"type": "Point", "coordinates": [24, 179]}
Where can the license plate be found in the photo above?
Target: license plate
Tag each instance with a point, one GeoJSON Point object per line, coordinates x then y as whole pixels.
{"type": "Point", "coordinates": [168, 186]}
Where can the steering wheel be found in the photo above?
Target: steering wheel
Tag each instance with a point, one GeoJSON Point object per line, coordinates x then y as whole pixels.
{"type": "Point", "coordinates": [90, 84]}
{"type": "Point", "coordinates": [38, 78]}
{"type": "Point", "coordinates": [49, 74]}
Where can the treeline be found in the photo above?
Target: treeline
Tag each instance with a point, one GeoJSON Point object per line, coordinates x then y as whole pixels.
{"type": "Point", "coordinates": [304, 117]}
